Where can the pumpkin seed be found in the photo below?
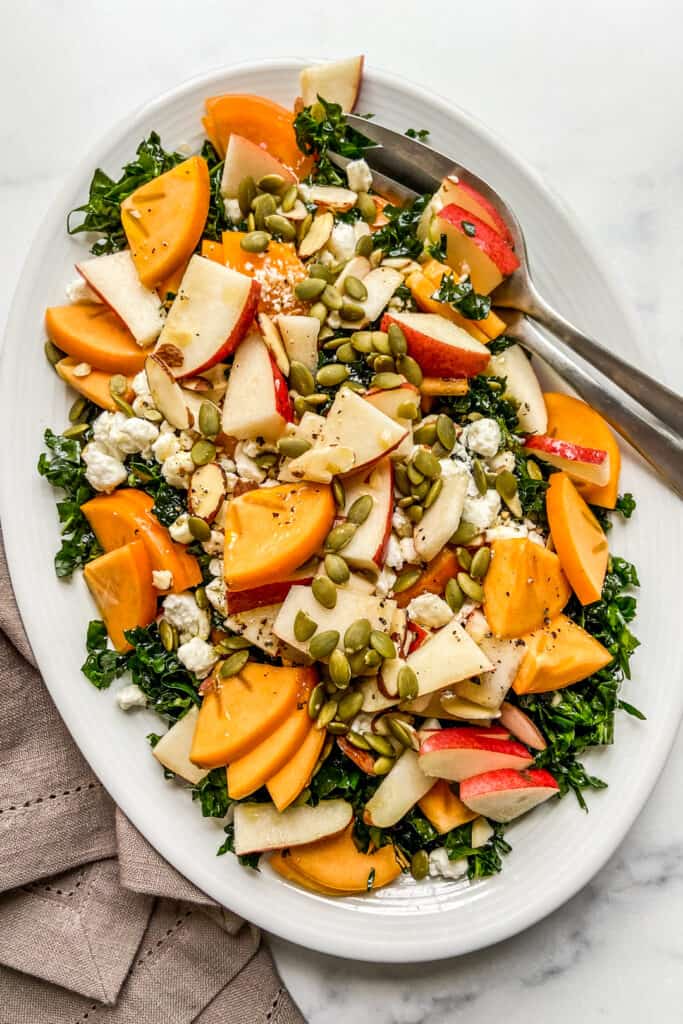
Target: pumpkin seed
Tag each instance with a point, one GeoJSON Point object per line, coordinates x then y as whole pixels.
{"type": "Point", "coordinates": [266, 460]}
{"type": "Point", "coordinates": [233, 643]}
{"type": "Point", "coordinates": [310, 288]}
{"type": "Point", "coordinates": [357, 740]}
{"type": "Point", "coordinates": [255, 241]}
{"type": "Point", "coordinates": [414, 474]}
{"type": "Point", "coordinates": [360, 509]}
{"type": "Point", "coordinates": [321, 272]}
{"type": "Point", "coordinates": [350, 705]}
{"type": "Point", "coordinates": [445, 431]}
{"type": "Point", "coordinates": [357, 635]}
{"type": "Point", "coordinates": [415, 513]}
{"type": "Point", "coordinates": [383, 765]}
{"type": "Point", "coordinates": [433, 493]}
{"type": "Point", "coordinates": [76, 431]}
{"type": "Point", "coordinates": [351, 311]}
{"type": "Point", "coordinates": [479, 476]}
{"type": "Point", "coordinates": [367, 207]}
{"type": "Point", "coordinates": [271, 183]}
{"type": "Point", "coordinates": [380, 342]}
{"type": "Point", "coordinates": [203, 451]}
{"type": "Point", "coordinates": [336, 568]}
{"type": "Point", "coordinates": [303, 798]}
{"type": "Point", "coordinates": [362, 341]}
{"type": "Point", "coordinates": [304, 227]}
{"type": "Point", "coordinates": [340, 673]}
{"type": "Point", "coordinates": [233, 665]}
{"type": "Point", "coordinates": [118, 385]}
{"type": "Point", "coordinates": [427, 464]}
{"type": "Point", "coordinates": [464, 534]}
{"type": "Point", "coordinates": [410, 369]}
{"type": "Point", "coordinates": [168, 635]}
{"type": "Point", "coordinates": [300, 406]}
{"type": "Point", "coordinates": [354, 385]}
{"type": "Point", "coordinates": [401, 479]}
{"type": "Point", "coordinates": [383, 644]}
{"type": "Point", "coordinates": [534, 470]}
{"type": "Point", "coordinates": [319, 311]}
{"type": "Point", "coordinates": [339, 536]}
{"type": "Point", "coordinates": [332, 297]}
{"type": "Point", "coordinates": [201, 599]}
{"type": "Point", "coordinates": [123, 406]}
{"type": "Point", "coordinates": [356, 661]}
{"type": "Point", "coordinates": [316, 700]}
{"type": "Point", "coordinates": [401, 731]}
{"type": "Point", "coordinates": [332, 344]}
{"type": "Point", "coordinates": [280, 227]}
{"type": "Point", "coordinates": [464, 558]}
{"type": "Point", "coordinates": [331, 375]}
{"type": "Point", "coordinates": [324, 591]}
{"type": "Point", "coordinates": [338, 492]}
{"type": "Point", "coordinates": [397, 340]}
{"type": "Point", "coordinates": [379, 744]}
{"type": "Point", "coordinates": [209, 419]}
{"type": "Point", "coordinates": [288, 200]}
{"type": "Point", "coordinates": [304, 627]}
{"type": "Point", "coordinates": [338, 728]}
{"type": "Point", "coordinates": [322, 644]}
{"type": "Point", "coordinates": [301, 379]}
{"type": "Point", "coordinates": [251, 222]}
{"type": "Point", "coordinates": [480, 563]}
{"type": "Point", "coordinates": [364, 246]}
{"type": "Point", "coordinates": [385, 365]}
{"type": "Point", "coordinates": [355, 289]}
{"type": "Point", "coordinates": [506, 485]}
{"type": "Point", "coordinates": [454, 595]}
{"type": "Point", "coordinates": [52, 353]}
{"type": "Point", "coordinates": [407, 411]}
{"type": "Point", "coordinates": [420, 491]}
{"type": "Point", "coordinates": [345, 352]}
{"type": "Point", "coordinates": [262, 206]}
{"type": "Point", "coordinates": [425, 433]}
{"type": "Point", "coordinates": [470, 587]}
{"type": "Point", "coordinates": [407, 683]}
{"type": "Point", "coordinates": [293, 447]}
{"type": "Point", "coordinates": [419, 865]}
{"type": "Point", "coordinates": [246, 193]}
{"type": "Point", "coordinates": [326, 714]}
{"type": "Point", "coordinates": [77, 409]}
{"type": "Point", "coordinates": [406, 502]}
{"type": "Point", "coordinates": [406, 579]}
{"type": "Point", "coordinates": [199, 528]}
{"type": "Point", "coordinates": [371, 659]}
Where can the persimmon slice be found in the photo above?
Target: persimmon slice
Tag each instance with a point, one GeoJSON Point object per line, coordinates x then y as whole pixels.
{"type": "Point", "coordinates": [120, 582]}
{"type": "Point", "coordinates": [523, 588]}
{"type": "Point", "coordinates": [559, 654]}
{"type": "Point", "coordinates": [575, 421]}
{"type": "Point", "coordinates": [91, 333]}
{"type": "Point", "coordinates": [278, 270]}
{"type": "Point", "coordinates": [260, 120]}
{"type": "Point", "coordinates": [164, 219]}
{"type": "Point", "coordinates": [281, 863]}
{"type": "Point", "coordinates": [444, 809]}
{"type": "Point", "coordinates": [285, 786]}
{"type": "Point", "coordinates": [336, 863]}
{"type": "Point", "coordinates": [94, 386]}
{"type": "Point", "coordinates": [579, 539]}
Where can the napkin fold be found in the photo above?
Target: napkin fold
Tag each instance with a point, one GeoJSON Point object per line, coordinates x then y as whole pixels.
{"type": "Point", "coordinates": [94, 925]}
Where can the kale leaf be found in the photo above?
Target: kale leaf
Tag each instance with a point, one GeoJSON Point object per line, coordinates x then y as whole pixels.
{"type": "Point", "coordinates": [217, 220]}
{"type": "Point", "coordinates": [398, 238]}
{"type": "Point", "coordinates": [170, 689]}
{"type": "Point", "coordinates": [212, 794]}
{"type": "Point", "coordinates": [484, 398]}
{"type": "Point", "coordinates": [320, 127]}
{"type": "Point", "coordinates": [247, 860]}
{"type": "Point", "coordinates": [169, 502]}
{"type": "Point", "coordinates": [102, 664]}
{"type": "Point", "coordinates": [461, 296]}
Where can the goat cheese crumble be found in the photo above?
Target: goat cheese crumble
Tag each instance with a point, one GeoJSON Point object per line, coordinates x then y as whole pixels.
{"type": "Point", "coordinates": [441, 867]}
{"type": "Point", "coordinates": [183, 612]}
{"type": "Point", "coordinates": [482, 437]}
{"type": "Point", "coordinates": [131, 696]}
{"type": "Point", "coordinates": [197, 656]}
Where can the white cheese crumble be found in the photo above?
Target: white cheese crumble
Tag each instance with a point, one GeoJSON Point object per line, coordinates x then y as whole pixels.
{"type": "Point", "coordinates": [121, 435]}
{"type": "Point", "coordinates": [214, 546]}
{"type": "Point", "coordinates": [441, 867]}
{"type": "Point", "coordinates": [215, 594]}
{"type": "Point", "coordinates": [177, 470]}
{"type": "Point", "coordinates": [105, 472]}
{"type": "Point", "coordinates": [385, 582]}
{"type": "Point", "coordinates": [162, 579]}
{"type": "Point", "coordinates": [233, 211]}
{"type": "Point", "coordinates": [483, 510]}
{"type": "Point", "coordinates": [342, 241]}
{"type": "Point", "coordinates": [482, 437]}
{"type": "Point", "coordinates": [165, 446]}
{"type": "Point", "coordinates": [216, 566]}
{"type": "Point", "coordinates": [400, 523]}
{"type": "Point", "coordinates": [140, 384]}
{"type": "Point", "coordinates": [131, 696]}
{"type": "Point", "coordinates": [394, 556]}
{"type": "Point", "coordinates": [429, 610]}
{"type": "Point", "coordinates": [408, 550]}
{"type": "Point", "coordinates": [78, 291]}
{"type": "Point", "coordinates": [245, 465]}
{"type": "Point", "coordinates": [197, 656]}
{"type": "Point", "coordinates": [180, 531]}
{"type": "Point", "coordinates": [503, 461]}
{"type": "Point", "coordinates": [183, 612]}
{"type": "Point", "coordinates": [359, 176]}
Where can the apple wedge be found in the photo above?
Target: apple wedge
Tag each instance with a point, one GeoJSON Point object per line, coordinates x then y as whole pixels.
{"type": "Point", "coordinates": [167, 394]}
{"type": "Point", "coordinates": [475, 248]}
{"type": "Point", "coordinates": [356, 424]}
{"type": "Point", "coordinates": [380, 285]}
{"type": "Point", "coordinates": [114, 279]}
{"type": "Point", "coordinates": [270, 593]}
{"type": "Point", "coordinates": [367, 546]}
{"type": "Point", "coordinates": [256, 626]}
{"type": "Point", "coordinates": [373, 698]}
{"type": "Point", "coordinates": [173, 749]}
{"type": "Point", "coordinates": [449, 656]}
{"type": "Point", "coordinates": [351, 605]}
{"type": "Point", "coordinates": [440, 347]}
{"type": "Point", "coordinates": [506, 794]}
{"type": "Point", "coordinates": [459, 753]}
{"type": "Point", "coordinates": [256, 402]}
{"type": "Point", "coordinates": [490, 688]}
{"type": "Point", "coordinates": [206, 491]}
{"type": "Point", "coordinates": [260, 827]}
{"type": "Point", "coordinates": [589, 465]}
{"type": "Point", "coordinates": [458, 192]}
{"type": "Point", "coordinates": [337, 82]}
{"type": "Point", "coordinates": [389, 401]}
{"type": "Point", "coordinates": [244, 158]}
{"type": "Point", "coordinates": [300, 338]}
{"type": "Point", "coordinates": [398, 791]}
{"type": "Point", "coordinates": [521, 726]}
{"type": "Point", "coordinates": [210, 315]}
{"type": "Point", "coordinates": [440, 522]}
{"type": "Point", "coordinates": [521, 385]}
{"type": "Point", "coordinates": [358, 267]}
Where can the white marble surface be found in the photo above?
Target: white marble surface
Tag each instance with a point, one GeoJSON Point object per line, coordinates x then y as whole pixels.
{"type": "Point", "coordinates": [591, 93]}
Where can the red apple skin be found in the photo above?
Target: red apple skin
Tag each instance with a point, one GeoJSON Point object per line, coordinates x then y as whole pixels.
{"type": "Point", "coordinates": [504, 780]}
{"type": "Point", "coordinates": [493, 732]}
{"type": "Point", "coordinates": [565, 449]}
{"type": "Point", "coordinates": [283, 404]}
{"type": "Point", "coordinates": [500, 225]}
{"type": "Point", "coordinates": [436, 358]}
{"type": "Point", "coordinates": [484, 237]}
{"type": "Point", "coordinates": [268, 593]}
{"type": "Point", "coordinates": [471, 739]}
{"type": "Point", "coordinates": [457, 741]}
{"type": "Point", "coordinates": [418, 638]}
{"type": "Point", "coordinates": [363, 759]}
{"type": "Point", "coordinates": [239, 331]}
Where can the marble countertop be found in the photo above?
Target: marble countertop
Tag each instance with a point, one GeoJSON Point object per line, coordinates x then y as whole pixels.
{"type": "Point", "coordinates": [592, 96]}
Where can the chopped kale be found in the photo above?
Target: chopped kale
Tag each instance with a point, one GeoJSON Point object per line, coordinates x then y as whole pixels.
{"type": "Point", "coordinates": [102, 664]}
{"type": "Point", "coordinates": [321, 127]}
{"type": "Point", "coordinates": [421, 134]}
{"type": "Point", "coordinates": [247, 860]}
{"type": "Point", "coordinates": [170, 689]}
{"type": "Point", "coordinates": [461, 296]}
{"type": "Point", "coordinates": [212, 794]}
{"type": "Point", "coordinates": [217, 220]}
{"type": "Point", "coordinates": [169, 502]}
{"type": "Point", "coordinates": [398, 238]}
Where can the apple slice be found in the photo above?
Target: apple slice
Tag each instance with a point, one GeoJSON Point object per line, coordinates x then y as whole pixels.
{"type": "Point", "coordinates": [448, 656]}
{"type": "Point", "coordinates": [317, 235]}
{"type": "Point", "coordinates": [453, 190]}
{"type": "Point", "coordinates": [244, 158]}
{"type": "Point", "coordinates": [256, 626]}
{"type": "Point", "coordinates": [590, 465]}
{"type": "Point", "coordinates": [115, 280]}
{"type": "Point", "coordinates": [367, 546]}
{"type": "Point", "coordinates": [260, 827]}
{"type": "Point", "coordinates": [337, 82]}
{"type": "Point", "coordinates": [457, 754]}
{"type": "Point", "coordinates": [388, 401]}
{"type": "Point", "coordinates": [319, 464]}
{"type": "Point", "coordinates": [270, 593]}
{"type": "Point", "coordinates": [521, 726]}
{"type": "Point", "coordinates": [206, 491]}
{"type": "Point", "coordinates": [300, 338]}
{"type": "Point", "coordinates": [490, 688]}
{"type": "Point", "coordinates": [351, 605]}
{"type": "Point", "coordinates": [256, 401]}
{"type": "Point", "coordinates": [358, 425]}
{"type": "Point", "coordinates": [167, 394]}
{"type": "Point", "coordinates": [373, 698]}
{"type": "Point", "coordinates": [440, 347]}
{"type": "Point", "coordinates": [440, 522]}
{"type": "Point", "coordinates": [380, 285]}
{"type": "Point", "coordinates": [398, 791]}
{"type": "Point", "coordinates": [210, 315]}
{"type": "Point", "coordinates": [523, 387]}
{"type": "Point", "coordinates": [358, 267]}
{"type": "Point", "coordinates": [506, 794]}
{"type": "Point", "coordinates": [475, 248]}
{"type": "Point", "coordinates": [173, 749]}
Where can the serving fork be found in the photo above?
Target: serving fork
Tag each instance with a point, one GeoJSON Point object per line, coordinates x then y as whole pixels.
{"type": "Point", "coordinates": [646, 413]}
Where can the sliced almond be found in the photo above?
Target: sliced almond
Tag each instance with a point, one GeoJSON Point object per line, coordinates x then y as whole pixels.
{"type": "Point", "coordinates": [317, 236]}
{"type": "Point", "coordinates": [166, 393]}
{"type": "Point", "coordinates": [298, 211]}
{"type": "Point", "coordinates": [271, 336]}
{"type": "Point", "coordinates": [206, 492]}
{"type": "Point", "coordinates": [199, 384]}
{"type": "Point", "coordinates": [333, 196]}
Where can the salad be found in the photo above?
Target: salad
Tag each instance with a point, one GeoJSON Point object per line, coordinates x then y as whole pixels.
{"type": "Point", "coordinates": [337, 536]}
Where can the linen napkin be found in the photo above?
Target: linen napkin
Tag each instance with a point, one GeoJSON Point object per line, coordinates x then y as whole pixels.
{"type": "Point", "coordinates": [94, 925]}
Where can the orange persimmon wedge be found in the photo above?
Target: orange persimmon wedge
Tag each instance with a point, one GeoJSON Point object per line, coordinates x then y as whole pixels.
{"type": "Point", "coordinates": [443, 809]}
{"type": "Point", "coordinates": [213, 251]}
{"type": "Point", "coordinates": [271, 531]}
{"type": "Point", "coordinates": [285, 786]}
{"type": "Point", "coordinates": [579, 540]}
{"type": "Point", "coordinates": [336, 863]}
{"type": "Point", "coordinates": [434, 578]}
{"type": "Point", "coordinates": [575, 421]}
{"type": "Point", "coordinates": [126, 515]}
{"type": "Point", "coordinates": [558, 655]}
{"type": "Point", "coordinates": [164, 219]}
{"type": "Point", "coordinates": [90, 333]}
{"type": "Point", "coordinates": [282, 864]}
{"type": "Point", "coordinates": [251, 771]}
{"type": "Point", "coordinates": [260, 120]}
{"type": "Point", "coordinates": [120, 581]}
{"type": "Point", "coordinates": [240, 711]}
{"type": "Point", "coordinates": [278, 270]}
{"type": "Point", "coordinates": [94, 386]}
{"type": "Point", "coordinates": [523, 588]}
{"type": "Point", "coordinates": [171, 284]}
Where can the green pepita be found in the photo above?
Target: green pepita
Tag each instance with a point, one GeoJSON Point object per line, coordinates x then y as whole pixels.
{"type": "Point", "coordinates": [304, 627]}
{"type": "Point", "coordinates": [427, 464]}
{"type": "Point", "coordinates": [380, 342]}
{"type": "Point", "coordinates": [371, 660]}
{"type": "Point", "coordinates": [255, 241]}
{"type": "Point", "coordinates": [77, 409]}
{"type": "Point", "coordinates": [203, 451]}
{"type": "Point", "coordinates": [340, 671]}
{"type": "Point", "coordinates": [293, 447]}
{"type": "Point", "coordinates": [464, 558]}
{"type": "Point", "coordinates": [331, 375]}
{"type": "Point", "coordinates": [279, 226]}
{"type": "Point", "coordinates": [470, 587]}
{"type": "Point", "coordinates": [300, 406]}
{"type": "Point", "coordinates": [168, 635]}
{"type": "Point", "coordinates": [506, 485]}
{"type": "Point", "coordinates": [480, 563]}
{"type": "Point", "coordinates": [262, 207]}
{"type": "Point", "coordinates": [534, 470]}
{"type": "Point", "coordinates": [303, 798]}
{"type": "Point", "coordinates": [251, 222]}
{"type": "Point", "coordinates": [362, 341]}
{"type": "Point", "coordinates": [319, 311]}
{"type": "Point", "coordinates": [321, 272]}
{"type": "Point", "coordinates": [360, 509]}
{"type": "Point", "coordinates": [401, 479]}
{"type": "Point", "coordinates": [454, 595]}
{"type": "Point", "coordinates": [199, 528]}
{"type": "Point", "coordinates": [288, 200]}
{"type": "Point", "coordinates": [301, 379]}
{"type": "Point", "coordinates": [479, 476]}
{"type": "Point", "coordinates": [310, 288]}
{"type": "Point", "coordinates": [406, 579]}
{"type": "Point", "coordinates": [349, 706]}
{"type": "Point", "coordinates": [358, 740]}
{"type": "Point", "coordinates": [406, 502]}
{"type": "Point", "coordinates": [324, 591]}
{"type": "Point", "coordinates": [209, 419]}
{"type": "Point", "coordinates": [367, 207]}
{"type": "Point", "coordinates": [414, 474]}
{"type": "Point", "coordinates": [383, 765]}
{"type": "Point", "coordinates": [52, 353]}
{"type": "Point", "coordinates": [445, 431]}
{"type": "Point", "coordinates": [410, 369]}
{"type": "Point", "coordinates": [336, 568]}
{"type": "Point", "coordinates": [357, 662]}
{"type": "Point", "coordinates": [201, 599]}
{"type": "Point", "coordinates": [407, 683]}
{"type": "Point", "coordinates": [408, 411]}
{"type": "Point", "coordinates": [433, 493]}
{"type": "Point", "coordinates": [322, 644]}
{"type": "Point", "coordinates": [337, 728]}
{"type": "Point", "coordinates": [415, 513]}
{"type": "Point", "coordinates": [316, 700]}
{"type": "Point", "coordinates": [76, 431]}
{"type": "Point", "coordinates": [266, 460]}
{"type": "Point", "coordinates": [421, 490]}
{"type": "Point", "coordinates": [118, 385]}
{"type": "Point", "coordinates": [425, 433]}
{"type": "Point", "coordinates": [402, 732]}
{"type": "Point", "coordinates": [355, 289]}
{"type": "Point", "coordinates": [357, 636]}
{"type": "Point", "coordinates": [464, 534]}
{"type": "Point", "coordinates": [379, 744]}
{"type": "Point", "coordinates": [383, 644]}
{"type": "Point", "coordinates": [273, 183]}
{"type": "Point", "coordinates": [246, 193]}
{"type": "Point", "coordinates": [419, 865]}
{"type": "Point", "coordinates": [338, 492]}
{"type": "Point", "coordinates": [233, 665]}
{"type": "Point", "coordinates": [332, 297]}
{"type": "Point", "coordinates": [304, 227]}
{"type": "Point", "coordinates": [326, 714]}
{"type": "Point", "coordinates": [364, 246]}
{"type": "Point", "coordinates": [339, 536]}
{"type": "Point", "coordinates": [351, 311]}
{"type": "Point", "coordinates": [232, 643]}
{"type": "Point", "coordinates": [397, 341]}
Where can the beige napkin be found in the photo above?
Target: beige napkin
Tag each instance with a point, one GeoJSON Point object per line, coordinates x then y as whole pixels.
{"type": "Point", "coordinates": [94, 925]}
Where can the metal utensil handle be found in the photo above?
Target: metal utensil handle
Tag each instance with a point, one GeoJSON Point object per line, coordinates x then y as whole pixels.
{"type": "Point", "coordinates": [663, 403]}
{"type": "Point", "coordinates": [660, 448]}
